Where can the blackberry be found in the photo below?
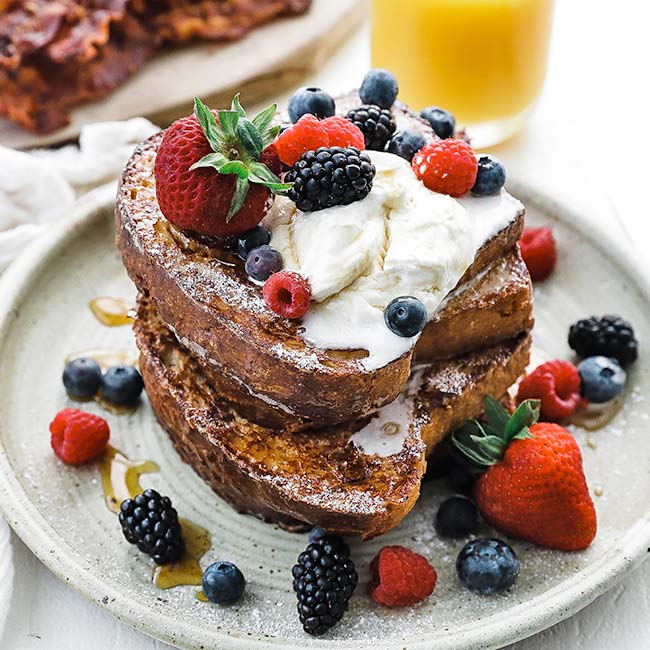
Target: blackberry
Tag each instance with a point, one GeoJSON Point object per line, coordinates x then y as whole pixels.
{"type": "Point", "coordinates": [324, 579]}
{"type": "Point", "coordinates": [376, 124]}
{"type": "Point", "coordinates": [150, 522]}
{"type": "Point", "coordinates": [609, 336]}
{"type": "Point", "coordinates": [330, 176]}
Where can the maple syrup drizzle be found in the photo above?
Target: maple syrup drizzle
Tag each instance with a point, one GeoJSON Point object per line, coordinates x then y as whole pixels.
{"type": "Point", "coordinates": [592, 420]}
{"type": "Point", "coordinates": [107, 357]}
{"type": "Point", "coordinates": [121, 480]}
{"type": "Point", "coordinates": [112, 312]}
{"type": "Point", "coordinates": [121, 477]}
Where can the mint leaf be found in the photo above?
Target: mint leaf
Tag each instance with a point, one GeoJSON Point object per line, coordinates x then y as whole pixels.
{"type": "Point", "coordinates": [216, 160]}
{"type": "Point", "coordinates": [250, 137]}
{"type": "Point", "coordinates": [238, 197]}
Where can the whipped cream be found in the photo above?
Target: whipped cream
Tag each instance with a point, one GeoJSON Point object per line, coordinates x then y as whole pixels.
{"type": "Point", "coordinates": [402, 239]}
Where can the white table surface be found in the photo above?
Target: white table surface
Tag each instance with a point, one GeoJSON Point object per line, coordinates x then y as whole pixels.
{"type": "Point", "coordinates": [588, 143]}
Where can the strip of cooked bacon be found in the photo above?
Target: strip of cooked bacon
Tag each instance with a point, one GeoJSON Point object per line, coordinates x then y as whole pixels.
{"type": "Point", "coordinates": [55, 54]}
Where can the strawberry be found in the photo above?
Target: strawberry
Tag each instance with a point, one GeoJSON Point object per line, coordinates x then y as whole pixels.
{"type": "Point", "coordinates": [216, 175]}
{"type": "Point", "coordinates": [533, 486]}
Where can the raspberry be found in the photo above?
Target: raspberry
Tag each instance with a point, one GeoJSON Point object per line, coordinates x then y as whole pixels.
{"type": "Point", "coordinates": [557, 385]}
{"type": "Point", "coordinates": [343, 133]}
{"type": "Point", "coordinates": [287, 294]}
{"type": "Point", "coordinates": [400, 577]}
{"type": "Point", "coordinates": [539, 252]}
{"type": "Point", "coordinates": [446, 166]}
{"type": "Point", "coordinates": [307, 134]}
{"type": "Point", "coordinates": [78, 436]}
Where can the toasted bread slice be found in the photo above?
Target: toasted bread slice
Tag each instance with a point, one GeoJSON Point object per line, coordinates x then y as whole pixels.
{"type": "Point", "coordinates": [493, 307]}
{"type": "Point", "coordinates": [333, 478]}
{"type": "Point", "coordinates": [201, 291]}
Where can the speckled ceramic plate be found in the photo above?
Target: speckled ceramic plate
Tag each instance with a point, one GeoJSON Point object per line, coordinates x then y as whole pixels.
{"type": "Point", "coordinates": [60, 514]}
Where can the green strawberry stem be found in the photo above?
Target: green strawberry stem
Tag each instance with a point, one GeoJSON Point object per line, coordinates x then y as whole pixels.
{"type": "Point", "coordinates": [484, 443]}
{"type": "Point", "coordinates": [237, 143]}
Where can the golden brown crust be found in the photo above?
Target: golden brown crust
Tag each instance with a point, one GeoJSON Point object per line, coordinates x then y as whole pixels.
{"type": "Point", "coordinates": [318, 478]}
{"type": "Point", "coordinates": [204, 295]}
{"type": "Point", "coordinates": [495, 305]}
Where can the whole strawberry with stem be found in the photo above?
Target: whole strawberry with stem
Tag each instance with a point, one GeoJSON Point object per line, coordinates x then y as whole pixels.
{"type": "Point", "coordinates": [533, 486]}
{"type": "Point", "coordinates": [217, 175]}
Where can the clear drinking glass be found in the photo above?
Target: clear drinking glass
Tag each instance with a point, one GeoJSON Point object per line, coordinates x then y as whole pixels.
{"type": "Point", "coordinates": [483, 60]}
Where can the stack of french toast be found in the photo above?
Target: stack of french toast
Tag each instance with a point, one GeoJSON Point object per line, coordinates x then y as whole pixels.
{"type": "Point", "coordinates": [283, 424]}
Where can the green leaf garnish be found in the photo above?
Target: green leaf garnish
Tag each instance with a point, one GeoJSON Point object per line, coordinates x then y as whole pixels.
{"type": "Point", "coordinates": [237, 107]}
{"type": "Point", "coordinates": [238, 198]}
{"type": "Point", "coordinates": [237, 145]}
{"type": "Point", "coordinates": [208, 123]}
{"type": "Point", "coordinates": [215, 160]}
{"type": "Point", "coordinates": [484, 443]}
{"type": "Point", "coordinates": [235, 167]}
{"type": "Point", "coordinates": [250, 137]}
{"type": "Point", "coordinates": [265, 117]}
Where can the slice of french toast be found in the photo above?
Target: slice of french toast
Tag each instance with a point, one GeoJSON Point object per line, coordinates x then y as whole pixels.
{"type": "Point", "coordinates": [494, 306]}
{"type": "Point", "coordinates": [201, 291]}
{"type": "Point", "coordinates": [355, 478]}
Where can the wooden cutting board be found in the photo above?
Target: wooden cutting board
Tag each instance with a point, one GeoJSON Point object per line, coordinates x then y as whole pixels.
{"type": "Point", "coordinates": [271, 58]}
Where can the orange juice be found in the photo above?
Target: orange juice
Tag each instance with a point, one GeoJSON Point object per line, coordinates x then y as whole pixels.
{"type": "Point", "coordinates": [484, 60]}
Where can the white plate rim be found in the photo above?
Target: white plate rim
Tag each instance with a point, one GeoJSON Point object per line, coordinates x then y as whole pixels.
{"type": "Point", "coordinates": [524, 620]}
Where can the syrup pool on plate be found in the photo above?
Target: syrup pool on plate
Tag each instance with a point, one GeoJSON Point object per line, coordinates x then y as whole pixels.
{"type": "Point", "coordinates": [120, 481]}
{"type": "Point", "coordinates": [483, 60]}
{"type": "Point", "coordinates": [112, 312]}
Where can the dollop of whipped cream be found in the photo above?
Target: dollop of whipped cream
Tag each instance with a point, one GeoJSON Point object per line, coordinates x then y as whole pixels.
{"type": "Point", "coordinates": [402, 239]}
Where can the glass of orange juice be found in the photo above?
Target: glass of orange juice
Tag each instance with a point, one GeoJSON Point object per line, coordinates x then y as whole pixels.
{"type": "Point", "coordinates": [483, 60]}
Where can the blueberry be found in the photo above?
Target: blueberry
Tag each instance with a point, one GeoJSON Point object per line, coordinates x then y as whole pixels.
{"type": "Point", "coordinates": [487, 566]}
{"type": "Point", "coordinates": [491, 176]}
{"type": "Point", "coordinates": [602, 379]}
{"type": "Point", "coordinates": [405, 144]}
{"type": "Point", "coordinates": [122, 385]}
{"type": "Point", "coordinates": [311, 100]}
{"type": "Point", "coordinates": [379, 87]}
{"type": "Point", "coordinates": [251, 239]}
{"type": "Point", "coordinates": [262, 262]}
{"type": "Point", "coordinates": [223, 583]}
{"type": "Point", "coordinates": [82, 378]}
{"type": "Point", "coordinates": [441, 121]}
{"type": "Point", "coordinates": [405, 316]}
{"type": "Point", "coordinates": [456, 517]}
{"type": "Point", "coordinates": [317, 533]}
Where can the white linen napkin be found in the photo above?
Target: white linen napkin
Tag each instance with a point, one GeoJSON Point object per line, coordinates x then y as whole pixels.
{"type": "Point", "coordinates": [39, 188]}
